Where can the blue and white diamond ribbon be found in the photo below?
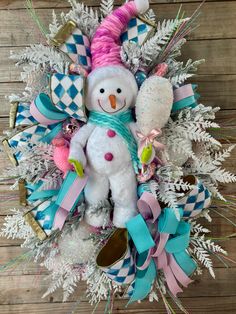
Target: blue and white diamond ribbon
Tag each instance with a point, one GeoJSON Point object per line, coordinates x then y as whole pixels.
{"type": "Point", "coordinates": [67, 94]}
{"type": "Point", "coordinates": [20, 115]}
{"type": "Point", "coordinates": [77, 47]}
{"type": "Point", "coordinates": [138, 30]}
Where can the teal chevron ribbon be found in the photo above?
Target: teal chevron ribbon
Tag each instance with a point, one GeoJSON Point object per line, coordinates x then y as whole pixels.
{"type": "Point", "coordinates": [190, 101]}
{"type": "Point", "coordinates": [48, 213]}
{"type": "Point", "coordinates": [65, 199]}
{"type": "Point", "coordinates": [179, 238]}
{"type": "Point", "coordinates": [40, 195]}
{"type": "Point", "coordinates": [60, 194]}
{"type": "Point", "coordinates": [118, 123]}
{"type": "Point", "coordinates": [52, 134]}
{"type": "Point", "coordinates": [144, 279]}
{"type": "Point", "coordinates": [37, 194]}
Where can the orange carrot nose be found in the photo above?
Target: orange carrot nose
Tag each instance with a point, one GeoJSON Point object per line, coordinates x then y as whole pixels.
{"type": "Point", "coordinates": [112, 99]}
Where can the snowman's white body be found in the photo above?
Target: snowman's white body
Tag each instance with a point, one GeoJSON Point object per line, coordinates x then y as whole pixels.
{"type": "Point", "coordinates": [116, 175]}
{"type": "Point", "coordinates": [99, 144]}
{"type": "Point", "coordinates": [91, 145]}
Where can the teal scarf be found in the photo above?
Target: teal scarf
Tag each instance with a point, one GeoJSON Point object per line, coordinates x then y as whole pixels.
{"type": "Point", "coordinates": [118, 124]}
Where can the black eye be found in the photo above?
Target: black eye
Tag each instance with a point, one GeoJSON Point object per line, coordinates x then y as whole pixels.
{"type": "Point", "coordinates": [118, 90]}
{"type": "Point", "coordinates": [102, 90]}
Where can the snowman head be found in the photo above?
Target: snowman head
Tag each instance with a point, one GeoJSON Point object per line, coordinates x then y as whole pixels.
{"type": "Point", "coordinates": [111, 87]}
{"type": "Point", "coordinates": [115, 91]}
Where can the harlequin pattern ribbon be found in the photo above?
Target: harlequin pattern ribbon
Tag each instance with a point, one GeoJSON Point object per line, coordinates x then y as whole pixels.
{"type": "Point", "coordinates": [185, 96]}
{"type": "Point", "coordinates": [167, 251]}
{"type": "Point", "coordinates": [70, 193]}
{"type": "Point", "coordinates": [67, 198]}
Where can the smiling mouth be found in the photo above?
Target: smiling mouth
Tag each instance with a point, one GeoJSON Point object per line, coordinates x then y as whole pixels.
{"type": "Point", "coordinates": [111, 111]}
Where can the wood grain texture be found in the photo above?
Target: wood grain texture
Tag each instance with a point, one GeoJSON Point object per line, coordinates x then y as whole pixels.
{"type": "Point", "coordinates": [219, 63]}
{"type": "Point", "coordinates": [198, 305]}
{"type": "Point", "coordinates": [26, 289]}
{"type": "Point", "coordinates": [212, 24]}
{"type": "Point", "coordinates": [215, 41]}
{"type": "Point", "coordinates": [19, 4]}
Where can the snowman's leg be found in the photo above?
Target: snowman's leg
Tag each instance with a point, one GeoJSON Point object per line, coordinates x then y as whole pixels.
{"type": "Point", "coordinates": [124, 195]}
{"type": "Point", "coordinates": [96, 191]}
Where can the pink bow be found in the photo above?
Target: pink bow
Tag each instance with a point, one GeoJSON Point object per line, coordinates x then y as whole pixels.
{"type": "Point", "coordinates": [145, 140]}
{"type": "Point", "coordinates": [150, 210]}
{"type": "Point", "coordinates": [150, 139]}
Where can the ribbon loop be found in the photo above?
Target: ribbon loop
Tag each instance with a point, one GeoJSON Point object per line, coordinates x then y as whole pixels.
{"type": "Point", "coordinates": [181, 240]}
{"type": "Point", "coordinates": [68, 197]}
{"type": "Point", "coordinates": [45, 112]}
{"type": "Point", "coordinates": [168, 222]}
{"type": "Point", "coordinates": [148, 207]}
{"type": "Point", "coordinates": [140, 234]}
{"type": "Point", "coordinates": [167, 251]}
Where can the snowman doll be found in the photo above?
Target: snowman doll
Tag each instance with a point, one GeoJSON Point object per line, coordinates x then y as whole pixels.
{"type": "Point", "coordinates": [106, 147]}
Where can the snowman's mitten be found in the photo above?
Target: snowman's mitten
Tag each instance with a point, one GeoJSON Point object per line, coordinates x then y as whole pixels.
{"type": "Point", "coordinates": [78, 167]}
{"type": "Point", "coordinates": [77, 145]}
{"type": "Point", "coordinates": [77, 153]}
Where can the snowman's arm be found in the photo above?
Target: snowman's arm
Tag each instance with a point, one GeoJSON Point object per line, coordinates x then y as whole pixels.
{"type": "Point", "coordinates": [134, 129]}
{"type": "Point", "coordinates": [78, 143]}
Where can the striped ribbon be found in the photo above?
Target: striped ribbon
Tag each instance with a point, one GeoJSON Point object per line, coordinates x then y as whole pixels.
{"type": "Point", "coordinates": [52, 134]}
{"type": "Point", "coordinates": [67, 198]}
{"type": "Point", "coordinates": [118, 124]}
{"type": "Point", "coordinates": [185, 96]}
{"type": "Point", "coordinates": [45, 112]}
{"type": "Point", "coordinates": [167, 251]}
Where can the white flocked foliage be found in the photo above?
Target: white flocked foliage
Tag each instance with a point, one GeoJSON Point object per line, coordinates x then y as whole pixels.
{"type": "Point", "coordinates": [202, 249]}
{"type": "Point", "coordinates": [190, 149]}
{"type": "Point", "coordinates": [15, 226]}
{"type": "Point", "coordinates": [152, 47]}
{"type": "Point", "coordinates": [106, 7]}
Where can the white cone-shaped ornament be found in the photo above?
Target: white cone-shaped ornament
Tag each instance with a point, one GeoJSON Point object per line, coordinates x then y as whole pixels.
{"type": "Point", "coordinates": [154, 103]}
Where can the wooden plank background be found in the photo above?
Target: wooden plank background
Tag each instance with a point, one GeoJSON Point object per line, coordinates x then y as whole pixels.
{"type": "Point", "coordinates": [214, 40]}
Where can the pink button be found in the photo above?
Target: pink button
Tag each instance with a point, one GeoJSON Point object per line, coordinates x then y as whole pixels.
{"type": "Point", "coordinates": [111, 133]}
{"type": "Point", "coordinates": [108, 156]}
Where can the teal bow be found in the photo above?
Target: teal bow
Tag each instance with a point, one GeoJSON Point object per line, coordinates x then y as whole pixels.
{"type": "Point", "coordinates": [177, 235]}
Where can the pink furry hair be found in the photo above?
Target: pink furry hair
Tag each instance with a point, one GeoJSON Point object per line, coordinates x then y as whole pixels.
{"type": "Point", "coordinates": [105, 47]}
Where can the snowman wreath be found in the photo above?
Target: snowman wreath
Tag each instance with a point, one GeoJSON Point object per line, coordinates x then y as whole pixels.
{"type": "Point", "coordinates": [113, 157]}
